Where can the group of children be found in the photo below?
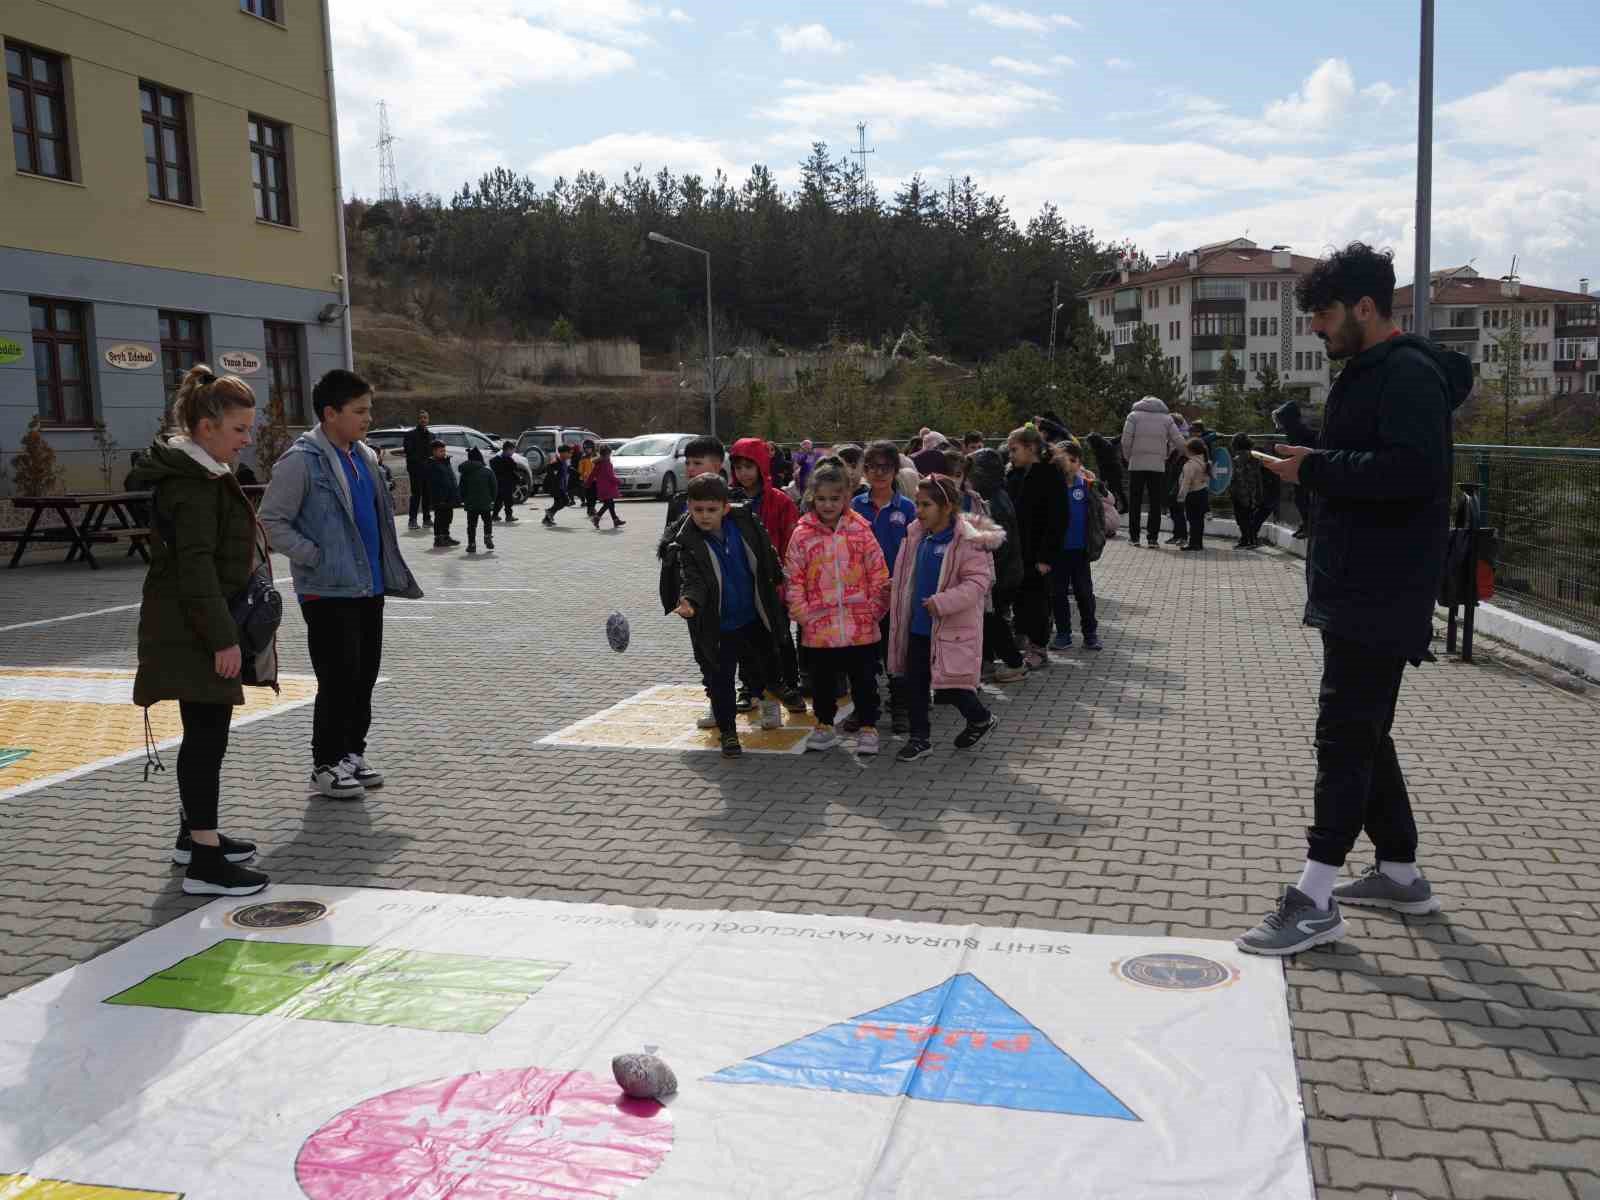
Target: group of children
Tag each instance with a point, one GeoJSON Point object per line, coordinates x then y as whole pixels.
{"type": "Point", "coordinates": [588, 470]}
{"type": "Point", "coordinates": [482, 489]}
{"type": "Point", "coordinates": [884, 566]}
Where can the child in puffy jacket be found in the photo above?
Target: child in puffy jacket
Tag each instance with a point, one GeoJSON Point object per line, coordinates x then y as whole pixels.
{"type": "Point", "coordinates": [478, 493]}
{"type": "Point", "coordinates": [838, 590]}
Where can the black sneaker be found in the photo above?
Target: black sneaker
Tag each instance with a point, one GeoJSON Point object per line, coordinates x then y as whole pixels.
{"type": "Point", "coordinates": [914, 749]}
{"type": "Point", "coordinates": [794, 700]}
{"type": "Point", "coordinates": [235, 850]}
{"type": "Point", "coordinates": [471, 549]}
{"type": "Point", "coordinates": [210, 874]}
{"type": "Point", "coordinates": [973, 734]}
{"type": "Point", "coordinates": [745, 703]}
{"type": "Point", "coordinates": [848, 724]}
{"type": "Point", "coordinates": [730, 745]}
{"type": "Point", "coordinates": [488, 545]}
{"type": "Point", "coordinates": [899, 722]}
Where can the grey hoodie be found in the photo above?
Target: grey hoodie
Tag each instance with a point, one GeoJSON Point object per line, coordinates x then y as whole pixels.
{"type": "Point", "coordinates": [1149, 436]}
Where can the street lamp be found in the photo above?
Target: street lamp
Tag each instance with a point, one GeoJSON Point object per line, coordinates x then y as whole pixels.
{"type": "Point", "coordinates": [711, 356]}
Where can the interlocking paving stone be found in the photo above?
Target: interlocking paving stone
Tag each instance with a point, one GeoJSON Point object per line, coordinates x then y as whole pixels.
{"type": "Point", "coordinates": [1160, 786]}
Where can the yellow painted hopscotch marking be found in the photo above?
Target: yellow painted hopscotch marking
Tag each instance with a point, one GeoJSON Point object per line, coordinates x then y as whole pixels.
{"type": "Point", "coordinates": [26, 1187]}
{"type": "Point", "coordinates": [74, 720]}
{"type": "Point", "coordinates": [663, 718]}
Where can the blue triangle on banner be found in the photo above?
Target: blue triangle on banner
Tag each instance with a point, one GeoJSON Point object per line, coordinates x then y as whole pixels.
{"type": "Point", "coordinates": [955, 1042]}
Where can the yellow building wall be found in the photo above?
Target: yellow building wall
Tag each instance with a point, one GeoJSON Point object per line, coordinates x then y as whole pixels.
{"type": "Point", "coordinates": [231, 64]}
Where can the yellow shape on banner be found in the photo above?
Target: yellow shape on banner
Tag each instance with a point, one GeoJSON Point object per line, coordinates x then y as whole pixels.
{"type": "Point", "coordinates": [26, 1187]}
{"type": "Point", "coordinates": [75, 719]}
{"type": "Point", "coordinates": [663, 718]}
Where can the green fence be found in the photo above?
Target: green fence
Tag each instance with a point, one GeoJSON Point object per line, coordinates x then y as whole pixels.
{"type": "Point", "coordinates": [1545, 504]}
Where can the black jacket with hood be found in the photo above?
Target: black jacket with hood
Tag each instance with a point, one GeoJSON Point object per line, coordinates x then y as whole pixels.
{"type": "Point", "coordinates": [987, 474]}
{"type": "Point", "coordinates": [1381, 475]}
{"type": "Point", "coordinates": [1039, 494]}
{"type": "Point", "coordinates": [690, 571]}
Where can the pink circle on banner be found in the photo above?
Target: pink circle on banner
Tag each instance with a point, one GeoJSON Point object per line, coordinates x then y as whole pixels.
{"type": "Point", "coordinates": [513, 1135]}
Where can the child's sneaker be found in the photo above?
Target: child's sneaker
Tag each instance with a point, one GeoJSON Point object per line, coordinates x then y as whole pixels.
{"type": "Point", "coordinates": [794, 700]}
{"type": "Point", "coordinates": [1005, 674]}
{"type": "Point", "coordinates": [914, 749]}
{"type": "Point", "coordinates": [1091, 641]}
{"type": "Point", "coordinates": [335, 783]}
{"type": "Point", "coordinates": [771, 714]}
{"type": "Point", "coordinates": [488, 544]}
{"type": "Point", "coordinates": [235, 850]}
{"type": "Point", "coordinates": [471, 549]}
{"type": "Point", "coordinates": [730, 745]}
{"type": "Point", "coordinates": [1036, 660]}
{"type": "Point", "coordinates": [745, 703]}
{"type": "Point", "coordinates": [363, 772]}
{"type": "Point", "coordinates": [867, 741]}
{"type": "Point", "coordinates": [973, 734]}
{"type": "Point", "coordinates": [850, 724]}
{"type": "Point", "coordinates": [1062, 641]}
{"type": "Point", "coordinates": [707, 721]}
{"type": "Point", "coordinates": [822, 737]}
{"type": "Point", "coordinates": [210, 874]}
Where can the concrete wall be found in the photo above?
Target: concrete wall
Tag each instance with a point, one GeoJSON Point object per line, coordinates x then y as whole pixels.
{"type": "Point", "coordinates": [230, 64]}
{"type": "Point", "coordinates": [778, 371]}
{"type": "Point", "coordinates": [612, 358]}
{"type": "Point", "coordinates": [121, 303]}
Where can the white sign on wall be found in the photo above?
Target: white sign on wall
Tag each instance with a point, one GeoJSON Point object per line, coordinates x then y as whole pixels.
{"type": "Point", "coordinates": [239, 362]}
{"type": "Point", "coordinates": [131, 356]}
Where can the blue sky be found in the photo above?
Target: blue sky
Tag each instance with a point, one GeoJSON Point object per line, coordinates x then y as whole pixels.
{"type": "Point", "coordinates": [1172, 124]}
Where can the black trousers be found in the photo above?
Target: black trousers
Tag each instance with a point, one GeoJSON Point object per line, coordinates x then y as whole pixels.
{"type": "Point", "coordinates": [1251, 521]}
{"type": "Point", "coordinates": [1033, 606]}
{"type": "Point", "coordinates": [502, 502]}
{"type": "Point", "coordinates": [1195, 507]}
{"type": "Point", "coordinates": [1070, 578]}
{"type": "Point", "coordinates": [997, 639]}
{"type": "Point", "coordinates": [919, 678]}
{"type": "Point", "coordinates": [1359, 783]}
{"type": "Point", "coordinates": [746, 651]}
{"type": "Point", "coordinates": [441, 523]}
{"type": "Point", "coordinates": [205, 742]}
{"type": "Point", "coordinates": [345, 640]}
{"type": "Point", "coordinates": [473, 518]}
{"type": "Point", "coordinates": [609, 506]}
{"type": "Point", "coordinates": [562, 500]}
{"type": "Point", "coordinates": [419, 492]}
{"type": "Point", "coordinates": [858, 664]}
{"type": "Point", "coordinates": [1142, 485]}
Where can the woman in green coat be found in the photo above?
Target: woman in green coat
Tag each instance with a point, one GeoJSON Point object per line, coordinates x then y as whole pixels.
{"type": "Point", "coordinates": [204, 544]}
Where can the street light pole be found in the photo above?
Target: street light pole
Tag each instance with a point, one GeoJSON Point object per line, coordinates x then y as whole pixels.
{"type": "Point", "coordinates": [1422, 280]}
{"type": "Point", "coordinates": [711, 352]}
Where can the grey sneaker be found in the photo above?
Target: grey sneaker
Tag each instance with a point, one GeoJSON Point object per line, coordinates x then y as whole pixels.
{"type": "Point", "coordinates": [822, 738]}
{"type": "Point", "coordinates": [1005, 674]}
{"type": "Point", "coordinates": [1297, 924]}
{"type": "Point", "coordinates": [707, 721]}
{"type": "Point", "coordinates": [1374, 889]}
{"type": "Point", "coordinates": [771, 714]}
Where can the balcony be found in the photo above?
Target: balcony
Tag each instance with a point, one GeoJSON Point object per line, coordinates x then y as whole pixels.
{"type": "Point", "coordinates": [1201, 307]}
{"type": "Point", "coordinates": [1203, 378]}
{"type": "Point", "coordinates": [1217, 341]}
{"type": "Point", "coordinates": [1574, 366]}
{"type": "Point", "coordinates": [1455, 334]}
{"type": "Point", "coordinates": [1577, 329]}
{"type": "Point", "coordinates": [1125, 316]}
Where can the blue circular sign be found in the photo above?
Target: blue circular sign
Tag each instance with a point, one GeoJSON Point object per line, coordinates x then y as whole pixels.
{"type": "Point", "coordinates": [1221, 470]}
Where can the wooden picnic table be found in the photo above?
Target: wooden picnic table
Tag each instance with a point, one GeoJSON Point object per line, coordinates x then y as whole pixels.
{"type": "Point", "coordinates": [83, 522]}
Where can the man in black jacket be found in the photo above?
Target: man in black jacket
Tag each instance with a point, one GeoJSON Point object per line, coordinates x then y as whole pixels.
{"type": "Point", "coordinates": [1380, 470]}
{"type": "Point", "coordinates": [419, 449]}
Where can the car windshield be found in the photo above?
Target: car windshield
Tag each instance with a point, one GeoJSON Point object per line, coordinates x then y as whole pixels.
{"type": "Point", "coordinates": [648, 447]}
{"type": "Point", "coordinates": [452, 439]}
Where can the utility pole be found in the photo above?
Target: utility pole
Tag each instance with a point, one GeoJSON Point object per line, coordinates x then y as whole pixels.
{"type": "Point", "coordinates": [388, 187]}
{"type": "Point", "coordinates": [1422, 280]}
{"type": "Point", "coordinates": [861, 152]}
{"type": "Point", "coordinates": [1055, 307]}
{"type": "Point", "coordinates": [711, 349]}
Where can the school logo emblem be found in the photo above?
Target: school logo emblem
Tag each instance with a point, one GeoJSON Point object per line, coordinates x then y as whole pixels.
{"type": "Point", "coordinates": [1175, 972]}
{"type": "Point", "coordinates": [897, 518]}
{"type": "Point", "coordinates": [277, 914]}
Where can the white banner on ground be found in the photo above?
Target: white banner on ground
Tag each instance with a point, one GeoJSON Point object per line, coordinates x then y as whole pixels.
{"type": "Point", "coordinates": [353, 1044]}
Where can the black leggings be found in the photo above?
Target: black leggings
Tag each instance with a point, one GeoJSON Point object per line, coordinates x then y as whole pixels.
{"type": "Point", "coordinates": [855, 663]}
{"type": "Point", "coordinates": [488, 527]}
{"type": "Point", "coordinates": [1032, 607]}
{"type": "Point", "coordinates": [919, 678]}
{"type": "Point", "coordinates": [608, 506]}
{"type": "Point", "coordinates": [205, 742]}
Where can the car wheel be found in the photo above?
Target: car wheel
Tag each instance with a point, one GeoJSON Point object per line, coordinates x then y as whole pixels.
{"type": "Point", "coordinates": [519, 494]}
{"type": "Point", "coordinates": [669, 486]}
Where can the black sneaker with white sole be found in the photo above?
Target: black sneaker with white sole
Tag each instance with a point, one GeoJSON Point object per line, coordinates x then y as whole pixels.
{"type": "Point", "coordinates": [210, 874]}
{"type": "Point", "coordinates": [973, 734]}
{"type": "Point", "coordinates": [914, 749]}
{"type": "Point", "coordinates": [358, 768]}
{"type": "Point", "coordinates": [235, 850]}
{"type": "Point", "coordinates": [336, 783]}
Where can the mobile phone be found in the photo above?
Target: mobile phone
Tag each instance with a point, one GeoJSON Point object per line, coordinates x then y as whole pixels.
{"type": "Point", "coordinates": [1266, 458]}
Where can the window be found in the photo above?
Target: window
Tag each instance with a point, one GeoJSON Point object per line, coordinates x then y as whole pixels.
{"type": "Point", "coordinates": [1211, 360]}
{"type": "Point", "coordinates": [1172, 295]}
{"type": "Point", "coordinates": [60, 362]}
{"type": "Point", "coordinates": [1299, 360]}
{"type": "Point", "coordinates": [267, 10]}
{"type": "Point", "coordinates": [166, 144]}
{"type": "Point", "coordinates": [1219, 289]}
{"type": "Point", "coordinates": [1274, 288]}
{"type": "Point", "coordinates": [182, 345]}
{"type": "Point", "coordinates": [269, 169]}
{"type": "Point", "coordinates": [1124, 334]}
{"type": "Point", "coordinates": [283, 368]}
{"type": "Point", "coordinates": [1253, 295]}
{"type": "Point", "coordinates": [1274, 357]}
{"type": "Point", "coordinates": [1254, 365]}
{"type": "Point", "coordinates": [36, 86]}
{"type": "Point", "coordinates": [1273, 321]}
{"type": "Point", "coordinates": [1319, 360]}
{"type": "Point", "coordinates": [1252, 327]}
{"type": "Point", "coordinates": [1217, 325]}
{"type": "Point", "coordinates": [1574, 348]}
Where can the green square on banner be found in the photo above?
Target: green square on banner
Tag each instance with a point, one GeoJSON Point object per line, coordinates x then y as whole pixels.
{"type": "Point", "coordinates": [10, 754]}
{"type": "Point", "coordinates": [454, 993]}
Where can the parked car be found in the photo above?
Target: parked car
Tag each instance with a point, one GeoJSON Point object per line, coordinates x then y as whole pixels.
{"type": "Point", "coordinates": [652, 464]}
{"type": "Point", "coordinates": [616, 443]}
{"type": "Point", "coordinates": [458, 439]}
{"type": "Point", "coordinates": [540, 442]}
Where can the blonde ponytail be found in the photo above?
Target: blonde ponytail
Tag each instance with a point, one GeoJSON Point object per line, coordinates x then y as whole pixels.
{"type": "Point", "coordinates": [204, 395]}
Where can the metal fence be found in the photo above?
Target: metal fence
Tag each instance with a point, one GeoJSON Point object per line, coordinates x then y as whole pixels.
{"type": "Point", "coordinates": [1545, 504]}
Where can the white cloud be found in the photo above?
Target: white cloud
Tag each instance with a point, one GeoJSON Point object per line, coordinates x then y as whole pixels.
{"type": "Point", "coordinates": [1324, 105]}
{"type": "Point", "coordinates": [442, 67]}
{"type": "Point", "coordinates": [1380, 92]}
{"type": "Point", "coordinates": [941, 96]}
{"type": "Point", "coordinates": [616, 153]}
{"type": "Point", "coordinates": [1016, 19]}
{"type": "Point", "coordinates": [679, 17]}
{"type": "Point", "coordinates": [1321, 101]}
{"type": "Point", "coordinates": [1118, 64]}
{"type": "Point", "coordinates": [1063, 60]}
{"type": "Point", "coordinates": [1018, 66]}
{"type": "Point", "coordinates": [808, 39]}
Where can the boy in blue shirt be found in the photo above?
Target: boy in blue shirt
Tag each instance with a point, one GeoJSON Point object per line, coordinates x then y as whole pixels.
{"type": "Point", "coordinates": [727, 579]}
{"type": "Point", "coordinates": [890, 514]}
{"type": "Point", "coordinates": [1084, 540]}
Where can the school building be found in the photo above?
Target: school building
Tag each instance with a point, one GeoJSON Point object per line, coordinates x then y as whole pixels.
{"type": "Point", "coordinates": [173, 197]}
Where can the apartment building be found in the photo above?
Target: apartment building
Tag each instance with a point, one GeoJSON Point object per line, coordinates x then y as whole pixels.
{"type": "Point", "coordinates": [1557, 333]}
{"type": "Point", "coordinates": [1230, 296]}
{"type": "Point", "coordinates": [173, 197]}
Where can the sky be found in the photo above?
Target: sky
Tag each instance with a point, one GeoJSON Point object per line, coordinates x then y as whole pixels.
{"type": "Point", "coordinates": [1170, 124]}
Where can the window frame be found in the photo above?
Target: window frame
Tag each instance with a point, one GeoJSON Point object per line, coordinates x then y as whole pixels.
{"type": "Point", "coordinates": [32, 90]}
{"type": "Point", "coordinates": [178, 126]}
{"type": "Point", "coordinates": [270, 10]}
{"type": "Point", "coordinates": [283, 344]}
{"type": "Point", "coordinates": [261, 154]}
{"type": "Point", "coordinates": [173, 347]}
{"type": "Point", "coordinates": [45, 341]}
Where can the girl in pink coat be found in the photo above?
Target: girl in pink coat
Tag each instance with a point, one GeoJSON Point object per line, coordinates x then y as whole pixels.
{"type": "Point", "coordinates": [837, 586]}
{"type": "Point", "coordinates": [607, 487]}
{"type": "Point", "coordinates": [942, 578]}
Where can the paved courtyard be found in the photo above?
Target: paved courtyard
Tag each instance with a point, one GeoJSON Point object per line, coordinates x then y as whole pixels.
{"type": "Point", "coordinates": [1159, 787]}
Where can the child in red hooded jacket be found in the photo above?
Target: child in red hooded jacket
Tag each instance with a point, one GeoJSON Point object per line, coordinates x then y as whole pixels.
{"type": "Point", "coordinates": [751, 461]}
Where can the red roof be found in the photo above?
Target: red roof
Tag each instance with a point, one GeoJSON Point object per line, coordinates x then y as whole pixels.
{"type": "Point", "coordinates": [1480, 290]}
{"type": "Point", "coordinates": [1222, 261]}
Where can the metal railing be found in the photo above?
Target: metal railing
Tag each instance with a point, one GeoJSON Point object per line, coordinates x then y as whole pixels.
{"type": "Point", "coordinates": [1544, 503]}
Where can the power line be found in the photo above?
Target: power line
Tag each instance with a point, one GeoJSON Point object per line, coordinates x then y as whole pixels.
{"type": "Point", "coordinates": [388, 188]}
